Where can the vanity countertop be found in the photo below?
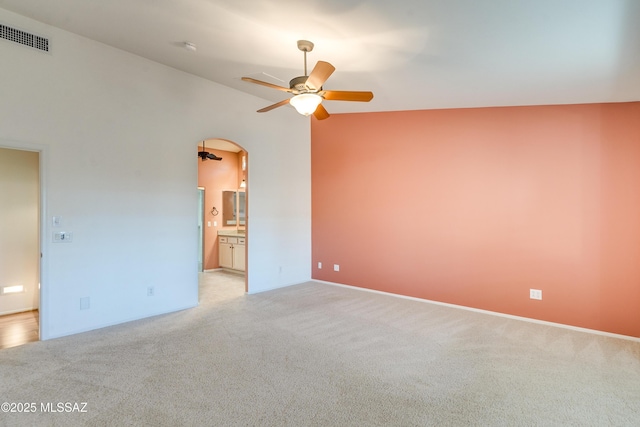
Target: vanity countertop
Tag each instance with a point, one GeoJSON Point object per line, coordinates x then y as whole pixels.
{"type": "Point", "coordinates": [232, 233]}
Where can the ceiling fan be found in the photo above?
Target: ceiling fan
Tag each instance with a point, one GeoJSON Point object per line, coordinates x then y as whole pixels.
{"type": "Point", "coordinates": [307, 90]}
{"type": "Point", "coordinates": [204, 155]}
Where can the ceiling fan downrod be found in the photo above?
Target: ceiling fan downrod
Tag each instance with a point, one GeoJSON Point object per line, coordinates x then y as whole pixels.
{"type": "Point", "coordinates": [305, 46]}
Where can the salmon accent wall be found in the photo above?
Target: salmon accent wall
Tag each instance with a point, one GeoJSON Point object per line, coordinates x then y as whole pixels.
{"type": "Point", "coordinates": [475, 207]}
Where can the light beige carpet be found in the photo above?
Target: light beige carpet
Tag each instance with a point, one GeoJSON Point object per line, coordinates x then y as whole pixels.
{"type": "Point", "coordinates": [321, 355]}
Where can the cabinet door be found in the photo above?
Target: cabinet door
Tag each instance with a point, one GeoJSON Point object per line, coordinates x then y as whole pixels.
{"type": "Point", "coordinates": [226, 255]}
{"type": "Point", "coordinates": [238, 257]}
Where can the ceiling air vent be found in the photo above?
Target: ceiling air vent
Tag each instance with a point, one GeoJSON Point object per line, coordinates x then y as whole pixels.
{"type": "Point", "coordinates": [24, 38]}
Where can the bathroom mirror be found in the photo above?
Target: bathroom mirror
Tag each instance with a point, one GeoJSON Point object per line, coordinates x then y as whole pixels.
{"type": "Point", "coordinates": [233, 208]}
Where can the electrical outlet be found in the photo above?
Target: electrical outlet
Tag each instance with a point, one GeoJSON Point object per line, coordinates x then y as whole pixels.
{"type": "Point", "coordinates": [336, 267]}
{"type": "Point", "coordinates": [150, 291]}
{"type": "Point", "coordinates": [320, 265]}
{"type": "Point", "coordinates": [535, 294]}
{"type": "Point", "coordinates": [84, 303]}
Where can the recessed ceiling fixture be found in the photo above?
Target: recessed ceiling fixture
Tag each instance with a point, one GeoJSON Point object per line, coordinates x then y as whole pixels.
{"type": "Point", "coordinates": [307, 89]}
{"type": "Point", "coordinates": [190, 46]}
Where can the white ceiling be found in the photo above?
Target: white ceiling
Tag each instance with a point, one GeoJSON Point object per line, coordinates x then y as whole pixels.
{"type": "Point", "coordinates": [413, 54]}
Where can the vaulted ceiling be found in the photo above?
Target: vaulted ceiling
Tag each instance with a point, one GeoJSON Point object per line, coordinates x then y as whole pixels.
{"type": "Point", "coordinates": [413, 54]}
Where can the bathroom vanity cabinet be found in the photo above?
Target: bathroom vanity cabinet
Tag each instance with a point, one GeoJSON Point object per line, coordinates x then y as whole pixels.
{"type": "Point", "coordinates": [232, 252]}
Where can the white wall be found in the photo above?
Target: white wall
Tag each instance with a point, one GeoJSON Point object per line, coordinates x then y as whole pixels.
{"type": "Point", "coordinates": [117, 134]}
{"type": "Point", "coordinates": [19, 243]}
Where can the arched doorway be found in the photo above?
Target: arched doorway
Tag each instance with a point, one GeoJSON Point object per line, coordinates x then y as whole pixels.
{"type": "Point", "coordinates": [223, 168]}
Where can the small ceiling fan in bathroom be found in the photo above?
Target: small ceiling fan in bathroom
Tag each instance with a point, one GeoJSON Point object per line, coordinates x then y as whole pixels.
{"type": "Point", "coordinates": [204, 155]}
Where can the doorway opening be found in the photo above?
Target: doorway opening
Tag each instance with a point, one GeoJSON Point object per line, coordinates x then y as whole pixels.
{"type": "Point", "coordinates": [223, 199]}
{"type": "Point", "coordinates": [20, 190]}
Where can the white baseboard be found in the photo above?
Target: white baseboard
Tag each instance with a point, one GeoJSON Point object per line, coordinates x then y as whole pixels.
{"type": "Point", "coordinates": [272, 288]}
{"type": "Point", "coordinates": [493, 313]}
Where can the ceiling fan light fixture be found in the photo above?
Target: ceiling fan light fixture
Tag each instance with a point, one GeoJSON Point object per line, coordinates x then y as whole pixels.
{"type": "Point", "coordinates": [307, 90]}
{"type": "Point", "coordinates": [306, 103]}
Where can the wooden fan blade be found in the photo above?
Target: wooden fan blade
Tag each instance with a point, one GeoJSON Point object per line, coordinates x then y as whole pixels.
{"type": "Point", "coordinates": [345, 95]}
{"type": "Point", "coordinates": [319, 75]}
{"type": "Point", "coordinates": [321, 113]}
{"type": "Point", "coordinates": [260, 82]}
{"type": "Point", "coordinates": [276, 105]}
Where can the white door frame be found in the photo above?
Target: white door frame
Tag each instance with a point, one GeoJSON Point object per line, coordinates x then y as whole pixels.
{"type": "Point", "coordinates": [201, 190]}
{"type": "Point", "coordinates": [43, 161]}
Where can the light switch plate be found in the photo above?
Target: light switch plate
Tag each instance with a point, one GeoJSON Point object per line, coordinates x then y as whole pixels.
{"type": "Point", "coordinates": [62, 237]}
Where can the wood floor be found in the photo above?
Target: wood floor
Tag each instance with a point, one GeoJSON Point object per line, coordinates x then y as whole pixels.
{"type": "Point", "coordinates": [17, 329]}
